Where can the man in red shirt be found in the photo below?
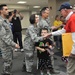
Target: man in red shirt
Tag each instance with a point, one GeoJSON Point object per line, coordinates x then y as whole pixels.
{"type": "Point", "coordinates": [67, 12]}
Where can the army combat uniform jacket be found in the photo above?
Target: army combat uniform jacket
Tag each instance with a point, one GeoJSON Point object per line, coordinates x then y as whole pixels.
{"type": "Point", "coordinates": [6, 44]}
{"type": "Point", "coordinates": [31, 37]}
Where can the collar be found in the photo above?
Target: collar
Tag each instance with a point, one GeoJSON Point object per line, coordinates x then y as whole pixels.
{"type": "Point", "coordinates": [3, 18]}
{"type": "Point", "coordinates": [68, 16]}
{"type": "Point", "coordinates": [35, 26]}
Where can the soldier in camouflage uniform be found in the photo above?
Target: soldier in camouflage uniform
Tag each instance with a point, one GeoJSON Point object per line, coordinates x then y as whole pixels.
{"type": "Point", "coordinates": [29, 41]}
{"type": "Point", "coordinates": [44, 20]}
{"type": "Point", "coordinates": [6, 43]}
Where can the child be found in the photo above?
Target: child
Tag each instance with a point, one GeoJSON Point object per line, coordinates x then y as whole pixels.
{"type": "Point", "coordinates": [44, 53]}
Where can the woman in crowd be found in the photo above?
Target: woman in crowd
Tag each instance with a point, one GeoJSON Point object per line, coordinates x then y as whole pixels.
{"type": "Point", "coordinates": [29, 41]}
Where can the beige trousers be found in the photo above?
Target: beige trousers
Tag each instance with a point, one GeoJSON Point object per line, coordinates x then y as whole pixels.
{"type": "Point", "coordinates": [71, 66]}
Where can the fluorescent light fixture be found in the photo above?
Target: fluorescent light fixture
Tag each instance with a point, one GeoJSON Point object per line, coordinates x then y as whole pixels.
{"type": "Point", "coordinates": [36, 6]}
{"type": "Point", "coordinates": [22, 2]}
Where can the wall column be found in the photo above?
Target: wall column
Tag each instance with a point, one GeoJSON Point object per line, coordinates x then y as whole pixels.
{"type": "Point", "coordinates": [52, 6]}
{"type": "Point", "coordinates": [72, 2]}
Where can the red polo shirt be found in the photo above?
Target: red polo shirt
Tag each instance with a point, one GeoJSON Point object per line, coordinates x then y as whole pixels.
{"type": "Point", "coordinates": [70, 25]}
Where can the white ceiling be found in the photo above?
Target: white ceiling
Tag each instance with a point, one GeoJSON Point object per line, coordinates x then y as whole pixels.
{"type": "Point", "coordinates": [12, 4]}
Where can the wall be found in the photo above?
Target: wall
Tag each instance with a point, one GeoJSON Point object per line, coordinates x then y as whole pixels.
{"type": "Point", "coordinates": [72, 2]}
{"type": "Point", "coordinates": [52, 3]}
{"type": "Point", "coordinates": [25, 22]}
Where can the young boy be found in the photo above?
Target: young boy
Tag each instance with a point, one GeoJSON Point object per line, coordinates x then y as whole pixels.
{"type": "Point", "coordinates": [44, 50]}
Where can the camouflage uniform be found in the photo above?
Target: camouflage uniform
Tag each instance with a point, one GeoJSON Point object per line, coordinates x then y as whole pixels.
{"type": "Point", "coordinates": [48, 21]}
{"type": "Point", "coordinates": [29, 47]}
{"type": "Point", "coordinates": [43, 23]}
{"type": "Point", "coordinates": [6, 44]}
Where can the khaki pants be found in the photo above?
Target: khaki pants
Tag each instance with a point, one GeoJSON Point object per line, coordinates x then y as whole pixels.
{"type": "Point", "coordinates": [71, 66]}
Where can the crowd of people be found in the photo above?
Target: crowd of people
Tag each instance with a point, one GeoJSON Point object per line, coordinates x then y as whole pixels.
{"type": "Point", "coordinates": [37, 37]}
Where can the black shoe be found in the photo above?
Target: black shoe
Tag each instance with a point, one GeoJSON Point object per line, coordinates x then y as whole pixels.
{"type": "Point", "coordinates": [24, 68]}
{"type": "Point", "coordinates": [30, 73]}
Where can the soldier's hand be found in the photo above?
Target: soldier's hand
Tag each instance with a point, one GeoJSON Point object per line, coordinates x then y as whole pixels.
{"type": "Point", "coordinates": [17, 46]}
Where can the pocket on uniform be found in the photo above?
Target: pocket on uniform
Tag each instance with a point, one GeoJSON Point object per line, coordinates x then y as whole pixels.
{"type": "Point", "coordinates": [29, 56]}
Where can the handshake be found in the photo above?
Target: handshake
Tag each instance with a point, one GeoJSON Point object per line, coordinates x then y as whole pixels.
{"type": "Point", "coordinates": [47, 35]}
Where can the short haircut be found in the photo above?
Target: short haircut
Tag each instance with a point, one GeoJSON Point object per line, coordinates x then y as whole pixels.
{"type": "Point", "coordinates": [43, 29]}
{"type": "Point", "coordinates": [32, 19]}
{"type": "Point", "coordinates": [42, 10]}
{"type": "Point", "coordinates": [2, 5]}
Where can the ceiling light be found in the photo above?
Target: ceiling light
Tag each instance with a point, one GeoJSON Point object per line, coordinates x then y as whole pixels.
{"type": "Point", "coordinates": [22, 2]}
{"type": "Point", "coordinates": [36, 6]}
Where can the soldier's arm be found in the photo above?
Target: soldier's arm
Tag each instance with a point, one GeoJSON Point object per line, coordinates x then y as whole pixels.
{"type": "Point", "coordinates": [34, 36]}
{"type": "Point", "coordinates": [4, 37]}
